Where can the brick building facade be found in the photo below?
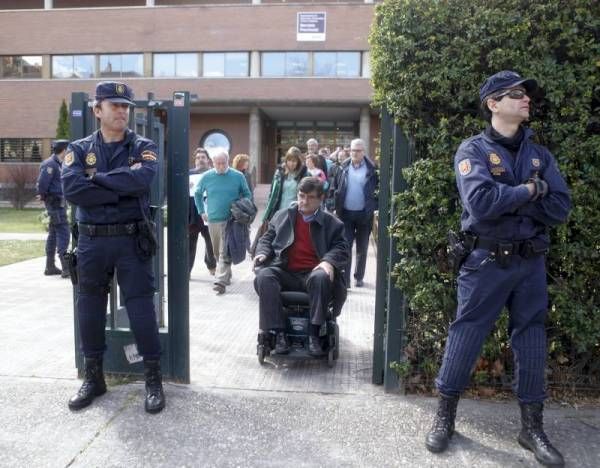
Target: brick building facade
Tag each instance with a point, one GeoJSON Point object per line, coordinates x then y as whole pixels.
{"type": "Point", "coordinates": [257, 84]}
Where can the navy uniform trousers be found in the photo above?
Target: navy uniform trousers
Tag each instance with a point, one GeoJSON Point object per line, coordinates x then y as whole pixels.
{"type": "Point", "coordinates": [97, 259]}
{"type": "Point", "coordinates": [484, 288]}
{"type": "Point", "coordinates": [58, 231]}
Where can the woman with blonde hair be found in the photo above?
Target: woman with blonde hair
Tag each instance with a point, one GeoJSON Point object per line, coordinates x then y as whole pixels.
{"type": "Point", "coordinates": [241, 163]}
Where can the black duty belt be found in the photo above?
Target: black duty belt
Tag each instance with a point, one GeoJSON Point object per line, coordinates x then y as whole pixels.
{"type": "Point", "coordinates": [525, 248]}
{"type": "Point", "coordinates": [107, 230]}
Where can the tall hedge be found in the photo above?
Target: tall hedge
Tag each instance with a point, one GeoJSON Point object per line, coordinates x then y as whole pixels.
{"type": "Point", "coordinates": [429, 58]}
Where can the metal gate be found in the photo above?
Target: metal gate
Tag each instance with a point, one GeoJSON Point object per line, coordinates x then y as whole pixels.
{"type": "Point", "coordinates": [390, 304]}
{"type": "Point", "coordinates": [167, 124]}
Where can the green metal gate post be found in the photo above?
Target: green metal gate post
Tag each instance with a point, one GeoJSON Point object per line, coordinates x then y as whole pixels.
{"type": "Point", "coordinates": [178, 263]}
{"type": "Point", "coordinates": [77, 125]}
{"type": "Point", "coordinates": [396, 304]}
{"type": "Point", "coordinates": [382, 247]}
{"type": "Point", "coordinates": [390, 304]}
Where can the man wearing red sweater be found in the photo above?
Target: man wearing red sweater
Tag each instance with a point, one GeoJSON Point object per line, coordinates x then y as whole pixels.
{"type": "Point", "coordinates": [305, 250]}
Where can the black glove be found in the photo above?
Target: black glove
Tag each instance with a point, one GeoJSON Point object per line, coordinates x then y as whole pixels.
{"type": "Point", "coordinates": [540, 186]}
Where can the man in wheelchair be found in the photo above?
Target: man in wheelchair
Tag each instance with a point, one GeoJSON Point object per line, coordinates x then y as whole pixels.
{"type": "Point", "coordinates": [304, 249]}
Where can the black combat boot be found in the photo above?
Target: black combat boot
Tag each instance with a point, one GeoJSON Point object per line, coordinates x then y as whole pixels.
{"type": "Point", "coordinates": [65, 269]}
{"type": "Point", "coordinates": [51, 267]}
{"type": "Point", "coordinates": [155, 397]}
{"type": "Point", "coordinates": [443, 425]}
{"type": "Point", "coordinates": [532, 436]}
{"type": "Point", "coordinates": [93, 385]}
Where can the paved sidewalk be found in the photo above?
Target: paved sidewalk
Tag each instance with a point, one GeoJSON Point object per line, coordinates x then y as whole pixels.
{"type": "Point", "coordinates": [236, 412]}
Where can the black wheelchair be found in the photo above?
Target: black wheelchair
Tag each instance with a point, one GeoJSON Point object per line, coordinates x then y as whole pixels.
{"type": "Point", "coordinates": [297, 319]}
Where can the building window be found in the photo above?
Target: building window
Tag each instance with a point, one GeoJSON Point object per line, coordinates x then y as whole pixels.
{"type": "Point", "coordinates": [336, 64]}
{"type": "Point", "coordinates": [21, 66]}
{"type": "Point", "coordinates": [332, 64]}
{"type": "Point", "coordinates": [73, 66]}
{"type": "Point", "coordinates": [175, 65]}
{"type": "Point", "coordinates": [285, 64]}
{"type": "Point", "coordinates": [121, 65]}
{"type": "Point", "coordinates": [230, 64]}
{"type": "Point", "coordinates": [20, 150]}
{"type": "Point", "coordinates": [214, 141]}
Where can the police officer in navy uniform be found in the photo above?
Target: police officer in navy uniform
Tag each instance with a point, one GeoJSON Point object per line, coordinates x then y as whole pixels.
{"type": "Point", "coordinates": [108, 176]}
{"type": "Point", "coordinates": [512, 192]}
{"type": "Point", "coordinates": [50, 192]}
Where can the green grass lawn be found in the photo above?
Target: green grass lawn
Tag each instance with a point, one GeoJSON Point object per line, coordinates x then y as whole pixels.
{"type": "Point", "coordinates": [27, 220]}
{"type": "Point", "coordinates": [13, 251]}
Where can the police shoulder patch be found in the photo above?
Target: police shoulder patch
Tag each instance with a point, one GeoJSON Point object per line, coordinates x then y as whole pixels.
{"type": "Point", "coordinates": [494, 158]}
{"type": "Point", "coordinates": [149, 156]}
{"type": "Point", "coordinates": [49, 170]}
{"type": "Point", "coordinates": [69, 158]}
{"type": "Point", "coordinates": [464, 167]}
{"type": "Point", "coordinates": [90, 159]}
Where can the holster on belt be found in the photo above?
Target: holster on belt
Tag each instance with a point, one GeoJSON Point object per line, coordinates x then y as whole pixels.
{"type": "Point", "coordinates": [70, 257]}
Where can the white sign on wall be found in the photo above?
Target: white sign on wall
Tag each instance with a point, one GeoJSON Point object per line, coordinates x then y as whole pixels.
{"type": "Point", "coordinates": [310, 26]}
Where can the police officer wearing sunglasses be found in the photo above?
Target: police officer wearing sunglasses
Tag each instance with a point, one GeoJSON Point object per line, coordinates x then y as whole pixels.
{"type": "Point", "coordinates": [512, 192]}
{"type": "Point", "coordinates": [108, 176]}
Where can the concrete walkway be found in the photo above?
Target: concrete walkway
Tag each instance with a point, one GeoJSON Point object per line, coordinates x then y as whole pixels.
{"type": "Point", "coordinates": [236, 412]}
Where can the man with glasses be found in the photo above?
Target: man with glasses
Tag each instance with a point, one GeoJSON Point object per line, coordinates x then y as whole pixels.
{"type": "Point", "coordinates": [354, 189]}
{"type": "Point", "coordinates": [512, 192]}
{"type": "Point", "coordinates": [303, 250]}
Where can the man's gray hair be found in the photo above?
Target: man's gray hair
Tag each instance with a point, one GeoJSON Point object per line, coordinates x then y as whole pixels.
{"type": "Point", "coordinates": [357, 141]}
{"type": "Point", "coordinates": [219, 154]}
{"type": "Point", "coordinates": [312, 140]}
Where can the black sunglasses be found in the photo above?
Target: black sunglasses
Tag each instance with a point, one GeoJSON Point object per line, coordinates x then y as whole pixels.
{"type": "Point", "coordinates": [511, 93]}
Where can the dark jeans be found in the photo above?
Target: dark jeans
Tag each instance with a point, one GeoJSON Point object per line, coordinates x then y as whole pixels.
{"type": "Point", "coordinates": [357, 225]}
{"type": "Point", "coordinates": [209, 257]}
{"type": "Point", "coordinates": [270, 281]}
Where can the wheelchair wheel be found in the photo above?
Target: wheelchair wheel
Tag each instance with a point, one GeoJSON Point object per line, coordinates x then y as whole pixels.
{"type": "Point", "coordinates": [336, 348]}
{"type": "Point", "coordinates": [262, 352]}
{"type": "Point", "coordinates": [330, 358]}
{"type": "Point", "coordinates": [331, 354]}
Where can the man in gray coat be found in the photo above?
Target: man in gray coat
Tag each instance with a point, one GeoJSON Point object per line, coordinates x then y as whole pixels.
{"type": "Point", "coordinates": [305, 250]}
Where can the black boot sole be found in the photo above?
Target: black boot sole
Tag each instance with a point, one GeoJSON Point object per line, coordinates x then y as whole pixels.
{"type": "Point", "coordinates": [438, 448]}
{"type": "Point", "coordinates": [78, 405]}
{"type": "Point", "coordinates": [158, 409]}
{"type": "Point", "coordinates": [525, 444]}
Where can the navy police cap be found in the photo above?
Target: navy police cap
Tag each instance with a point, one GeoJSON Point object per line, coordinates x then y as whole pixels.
{"type": "Point", "coordinates": [504, 80]}
{"type": "Point", "coordinates": [114, 91]}
{"type": "Point", "coordinates": [59, 145]}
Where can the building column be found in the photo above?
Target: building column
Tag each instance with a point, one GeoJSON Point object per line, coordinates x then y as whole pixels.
{"type": "Point", "coordinates": [365, 128]}
{"type": "Point", "coordinates": [255, 142]}
{"type": "Point", "coordinates": [255, 63]}
{"type": "Point", "coordinates": [150, 3]}
{"type": "Point", "coordinates": [48, 4]}
{"type": "Point", "coordinates": [256, 2]}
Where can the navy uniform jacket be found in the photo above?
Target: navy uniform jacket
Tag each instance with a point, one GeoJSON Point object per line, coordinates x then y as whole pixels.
{"type": "Point", "coordinates": [48, 182]}
{"type": "Point", "coordinates": [97, 178]}
{"type": "Point", "coordinates": [495, 204]}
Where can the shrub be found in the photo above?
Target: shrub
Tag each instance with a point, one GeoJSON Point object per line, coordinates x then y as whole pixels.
{"type": "Point", "coordinates": [428, 61]}
{"type": "Point", "coordinates": [21, 181]}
